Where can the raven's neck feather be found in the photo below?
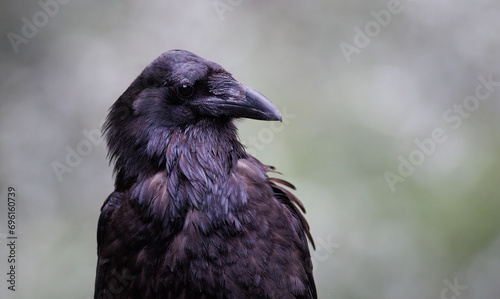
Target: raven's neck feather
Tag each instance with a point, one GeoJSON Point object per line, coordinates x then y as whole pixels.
{"type": "Point", "coordinates": [206, 150]}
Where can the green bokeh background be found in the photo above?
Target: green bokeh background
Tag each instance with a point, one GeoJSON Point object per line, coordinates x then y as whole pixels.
{"type": "Point", "coordinates": [348, 121]}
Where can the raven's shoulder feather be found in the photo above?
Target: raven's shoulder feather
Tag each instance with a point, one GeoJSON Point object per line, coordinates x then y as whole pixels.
{"type": "Point", "coordinates": [111, 204]}
{"type": "Point", "coordinates": [282, 232]}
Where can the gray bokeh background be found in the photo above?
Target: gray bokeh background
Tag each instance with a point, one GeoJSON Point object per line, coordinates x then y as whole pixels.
{"type": "Point", "coordinates": [349, 120]}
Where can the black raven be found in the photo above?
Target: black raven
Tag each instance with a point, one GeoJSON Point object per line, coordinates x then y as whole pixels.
{"type": "Point", "coordinates": [193, 215]}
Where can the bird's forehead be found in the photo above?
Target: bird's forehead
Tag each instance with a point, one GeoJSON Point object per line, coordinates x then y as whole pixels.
{"type": "Point", "coordinates": [185, 65]}
{"type": "Point", "coordinates": [191, 71]}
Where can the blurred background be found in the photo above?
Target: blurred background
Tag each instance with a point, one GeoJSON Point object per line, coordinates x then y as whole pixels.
{"type": "Point", "coordinates": [391, 131]}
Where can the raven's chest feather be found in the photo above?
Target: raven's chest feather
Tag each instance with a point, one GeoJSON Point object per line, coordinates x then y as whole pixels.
{"type": "Point", "coordinates": [189, 239]}
{"type": "Point", "coordinates": [241, 242]}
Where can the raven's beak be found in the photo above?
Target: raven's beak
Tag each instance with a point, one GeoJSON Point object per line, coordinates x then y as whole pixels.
{"type": "Point", "coordinates": [243, 102]}
{"type": "Point", "coordinates": [257, 106]}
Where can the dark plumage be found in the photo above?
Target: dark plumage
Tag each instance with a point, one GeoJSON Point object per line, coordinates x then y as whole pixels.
{"type": "Point", "coordinates": [193, 215]}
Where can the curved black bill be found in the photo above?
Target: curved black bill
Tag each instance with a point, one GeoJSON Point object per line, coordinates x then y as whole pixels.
{"type": "Point", "coordinates": [247, 104]}
{"type": "Point", "coordinates": [257, 106]}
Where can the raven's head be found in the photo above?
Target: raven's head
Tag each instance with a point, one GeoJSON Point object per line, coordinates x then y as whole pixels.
{"type": "Point", "coordinates": [177, 92]}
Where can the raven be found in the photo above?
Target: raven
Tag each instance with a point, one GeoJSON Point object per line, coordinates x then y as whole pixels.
{"type": "Point", "coordinates": [192, 214]}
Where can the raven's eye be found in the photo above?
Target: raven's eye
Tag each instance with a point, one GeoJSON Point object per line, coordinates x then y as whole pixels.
{"type": "Point", "coordinates": [184, 90]}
